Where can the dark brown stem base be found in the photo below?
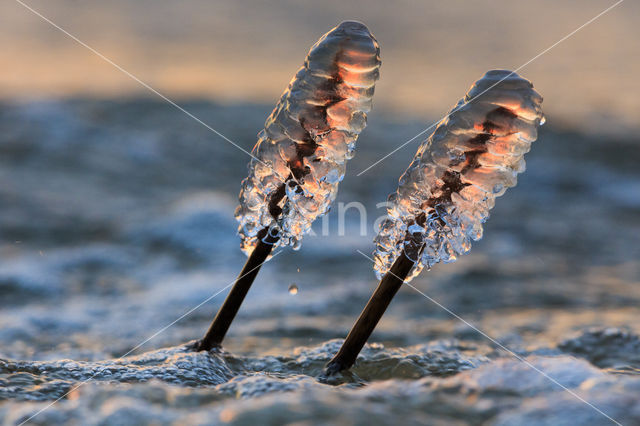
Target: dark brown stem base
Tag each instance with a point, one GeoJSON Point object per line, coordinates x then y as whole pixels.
{"type": "Point", "coordinates": [366, 323]}
{"type": "Point", "coordinates": [231, 305]}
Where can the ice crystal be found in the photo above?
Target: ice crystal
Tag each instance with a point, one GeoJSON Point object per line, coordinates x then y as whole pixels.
{"type": "Point", "coordinates": [301, 154]}
{"type": "Point", "coordinates": [472, 157]}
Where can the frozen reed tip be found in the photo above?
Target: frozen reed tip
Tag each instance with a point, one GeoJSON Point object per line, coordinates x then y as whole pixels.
{"type": "Point", "coordinates": [301, 154]}
{"type": "Point", "coordinates": [472, 157]}
{"type": "Point", "coordinates": [309, 137]}
{"type": "Point", "coordinates": [445, 195]}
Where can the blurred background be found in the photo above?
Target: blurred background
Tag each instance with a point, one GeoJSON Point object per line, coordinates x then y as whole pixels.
{"type": "Point", "coordinates": [233, 51]}
{"type": "Point", "coordinates": [116, 209]}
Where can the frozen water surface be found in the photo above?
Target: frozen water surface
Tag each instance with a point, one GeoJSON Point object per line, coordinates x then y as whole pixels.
{"type": "Point", "coordinates": [117, 218]}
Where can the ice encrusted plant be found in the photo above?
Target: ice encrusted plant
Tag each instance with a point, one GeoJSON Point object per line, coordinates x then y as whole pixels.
{"type": "Point", "coordinates": [444, 196]}
{"type": "Point", "coordinates": [301, 154]}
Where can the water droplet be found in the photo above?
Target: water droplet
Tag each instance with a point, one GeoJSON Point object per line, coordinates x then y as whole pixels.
{"type": "Point", "coordinates": [293, 289]}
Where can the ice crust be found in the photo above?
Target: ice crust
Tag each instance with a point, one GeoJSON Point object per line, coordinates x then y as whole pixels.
{"type": "Point", "coordinates": [309, 137]}
{"type": "Point", "coordinates": [472, 157]}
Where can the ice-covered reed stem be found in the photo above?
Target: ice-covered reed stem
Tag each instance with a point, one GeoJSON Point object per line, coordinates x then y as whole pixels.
{"type": "Point", "coordinates": [472, 157]}
{"type": "Point", "coordinates": [301, 154]}
{"type": "Point", "coordinates": [445, 195]}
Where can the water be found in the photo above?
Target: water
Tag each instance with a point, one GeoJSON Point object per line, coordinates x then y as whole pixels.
{"type": "Point", "coordinates": [117, 219]}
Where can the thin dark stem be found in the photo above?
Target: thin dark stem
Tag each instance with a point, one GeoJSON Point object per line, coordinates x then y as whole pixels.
{"type": "Point", "coordinates": [371, 314]}
{"type": "Point", "coordinates": [229, 309]}
{"type": "Point", "coordinates": [231, 305]}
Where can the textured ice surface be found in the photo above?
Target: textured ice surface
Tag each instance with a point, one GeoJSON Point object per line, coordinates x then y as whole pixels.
{"type": "Point", "coordinates": [472, 157]}
{"type": "Point", "coordinates": [101, 247]}
{"type": "Point", "coordinates": [308, 137]}
{"type": "Point", "coordinates": [505, 391]}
